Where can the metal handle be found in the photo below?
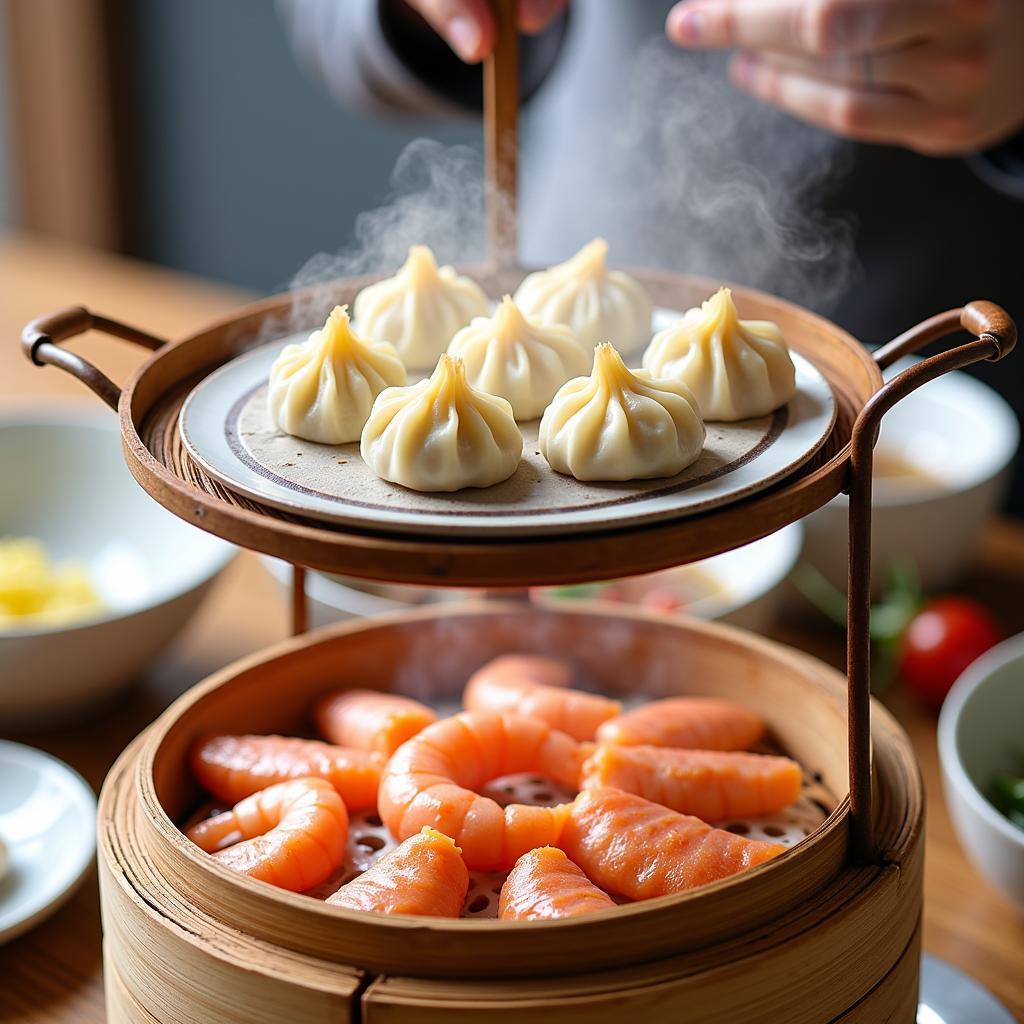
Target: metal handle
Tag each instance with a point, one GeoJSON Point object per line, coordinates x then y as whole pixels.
{"type": "Point", "coordinates": [41, 340]}
{"type": "Point", "coordinates": [996, 335]}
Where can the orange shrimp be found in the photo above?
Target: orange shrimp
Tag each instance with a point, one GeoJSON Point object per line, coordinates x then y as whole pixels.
{"type": "Point", "coordinates": [515, 684]}
{"type": "Point", "coordinates": [291, 835]}
{"type": "Point", "coordinates": [700, 723]}
{"type": "Point", "coordinates": [708, 784]}
{"type": "Point", "coordinates": [630, 846]}
{"type": "Point", "coordinates": [431, 779]}
{"type": "Point", "coordinates": [545, 885]}
{"type": "Point", "coordinates": [425, 875]}
{"type": "Point", "coordinates": [232, 767]}
{"type": "Point", "coordinates": [370, 719]}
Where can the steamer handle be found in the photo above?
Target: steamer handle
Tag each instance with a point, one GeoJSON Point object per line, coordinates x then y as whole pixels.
{"type": "Point", "coordinates": [996, 335]}
{"type": "Point", "coordinates": [41, 341]}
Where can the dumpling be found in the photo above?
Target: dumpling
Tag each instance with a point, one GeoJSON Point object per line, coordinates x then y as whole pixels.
{"type": "Point", "coordinates": [523, 362]}
{"type": "Point", "coordinates": [619, 424]}
{"type": "Point", "coordinates": [735, 368]}
{"type": "Point", "coordinates": [420, 308]}
{"type": "Point", "coordinates": [597, 303]}
{"type": "Point", "coordinates": [441, 434]}
{"type": "Point", "coordinates": [323, 389]}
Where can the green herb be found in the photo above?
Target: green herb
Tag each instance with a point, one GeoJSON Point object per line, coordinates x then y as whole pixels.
{"type": "Point", "coordinates": [1007, 796]}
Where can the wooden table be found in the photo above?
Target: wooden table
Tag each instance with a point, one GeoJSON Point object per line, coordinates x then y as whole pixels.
{"type": "Point", "coordinates": [54, 973]}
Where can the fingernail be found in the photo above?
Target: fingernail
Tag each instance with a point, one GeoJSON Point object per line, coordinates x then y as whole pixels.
{"type": "Point", "coordinates": [464, 37]}
{"type": "Point", "coordinates": [743, 69]}
{"type": "Point", "coordinates": [688, 26]}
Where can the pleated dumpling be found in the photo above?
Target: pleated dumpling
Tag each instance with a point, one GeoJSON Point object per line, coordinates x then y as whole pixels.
{"type": "Point", "coordinates": [420, 308]}
{"type": "Point", "coordinates": [735, 368]}
{"type": "Point", "coordinates": [441, 434]}
{"type": "Point", "coordinates": [323, 389]}
{"type": "Point", "coordinates": [523, 362]}
{"type": "Point", "coordinates": [597, 303]}
{"type": "Point", "coordinates": [619, 424]}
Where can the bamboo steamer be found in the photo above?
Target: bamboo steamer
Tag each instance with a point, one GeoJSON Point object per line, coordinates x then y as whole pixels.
{"type": "Point", "coordinates": [812, 938]}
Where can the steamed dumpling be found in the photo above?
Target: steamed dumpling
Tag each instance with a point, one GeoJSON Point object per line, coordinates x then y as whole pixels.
{"type": "Point", "coordinates": [523, 362]}
{"type": "Point", "coordinates": [323, 389]}
{"type": "Point", "coordinates": [619, 424]}
{"type": "Point", "coordinates": [735, 368]}
{"type": "Point", "coordinates": [441, 434]}
{"type": "Point", "coordinates": [420, 308]}
{"type": "Point", "coordinates": [597, 303]}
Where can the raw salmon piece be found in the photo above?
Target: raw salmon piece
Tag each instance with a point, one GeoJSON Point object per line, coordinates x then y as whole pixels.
{"type": "Point", "coordinates": [545, 885]}
{"type": "Point", "coordinates": [370, 719]}
{"type": "Point", "coordinates": [232, 767]}
{"type": "Point", "coordinates": [291, 835]}
{"type": "Point", "coordinates": [708, 784]}
{"type": "Point", "coordinates": [700, 723]}
{"type": "Point", "coordinates": [515, 684]}
{"type": "Point", "coordinates": [432, 780]}
{"type": "Point", "coordinates": [630, 846]}
{"type": "Point", "coordinates": [425, 875]}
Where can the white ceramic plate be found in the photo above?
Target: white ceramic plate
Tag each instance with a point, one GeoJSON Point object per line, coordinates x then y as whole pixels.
{"type": "Point", "coordinates": [948, 996]}
{"type": "Point", "coordinates": [48, 823]}
{"type": "Point", "coordinates": [227, 430]}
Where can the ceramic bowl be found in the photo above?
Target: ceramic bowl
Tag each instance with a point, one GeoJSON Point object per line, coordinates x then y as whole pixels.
{"type": "Point", "coordinates": [959, 438]}
{"type": "Point", "coordinates": [65, 484]}
{"type": "Point", "coordinates": [981, 734]}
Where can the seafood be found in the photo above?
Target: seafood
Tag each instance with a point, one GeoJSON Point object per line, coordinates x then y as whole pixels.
{"type": "Point", "coordinates": [291, 835]}
{"type": "Point", "coordinates": [545, 885]}
{"type": "Point", "coordinates": [232, 767]}
{"type": "Point", "coordinates": [630, 846]}
{"type": "Point", "coordinates": [699, 723]}
{"type": "Point", "coordinates": [371, 720]}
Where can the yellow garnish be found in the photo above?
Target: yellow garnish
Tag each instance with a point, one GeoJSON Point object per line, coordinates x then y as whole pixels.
{"type": "Point", "coordinates": [35, 592]}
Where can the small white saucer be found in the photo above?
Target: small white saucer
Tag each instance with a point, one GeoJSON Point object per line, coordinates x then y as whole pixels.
{"type": "Point", "coordinates": [48, 824]}
{"type": "Point", "coordinates": [949, 996]}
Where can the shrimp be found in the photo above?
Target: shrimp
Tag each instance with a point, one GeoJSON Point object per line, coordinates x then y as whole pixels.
{"type": "Point", "coordinates": [232, 767]}
{"type": "Point", "coordinates": [630, 846]}
{"type": "Point", "coordinates": [699, 723]}
{"type": "Point", "coordinates": [425, 875]}
{"type": "Point", "coordinates": [371, 720]}
{"type": "Point", "coordinates": [291, 835]}
{"type": "Point", "coordinates": [712, 785]}
{"type": "Point", "coordinates": [545, 885]}
{"type": "Point", "coordinates": [516, 684]}
{"type": "Point", "coordinates": [431, 779]}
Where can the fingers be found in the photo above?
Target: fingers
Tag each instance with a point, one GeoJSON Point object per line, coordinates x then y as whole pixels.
{"type": "Point", "coordinates": [535, 15]}
{"type": "Point", "coordinates": [821, 27]}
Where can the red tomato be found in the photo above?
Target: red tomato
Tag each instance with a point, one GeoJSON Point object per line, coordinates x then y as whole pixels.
{"type": "Point", "coordinates": [941, 640]}
{"type": "Point", "coordinates": [662, 599]}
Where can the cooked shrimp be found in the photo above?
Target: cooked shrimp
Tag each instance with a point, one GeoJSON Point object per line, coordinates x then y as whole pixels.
{"type": "Point", "coordinates": [291, 835]}
{"type": "Point", "coordinates": [630, 846]}
{"type": "Point", "coordinates": [431, 779]}
{"type": "Point", "coordinates": [708, 784]}
{"type": "Point", "coordinates": [515, 684]}
{"type": "Point", "coordinates": [700, 723]}
{"type": "Point", "coordinates": [370, 719]}
{"type": "Point", "coordinates": [545, 885]}
{"type": "Point", "coordinates": [232, 767]}
{"type": "Point", "coordinates": [425, 875]}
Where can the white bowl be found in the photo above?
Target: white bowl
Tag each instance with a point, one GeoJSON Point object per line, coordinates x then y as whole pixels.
{"type": "Point", "coordinates": [981, 733]}
{"type": "Point", "coordinates": [65, 483]}
{"type": "Point", "coordinates": [964, 436]}
{"type": "Point", "coordinates": [746, 591]}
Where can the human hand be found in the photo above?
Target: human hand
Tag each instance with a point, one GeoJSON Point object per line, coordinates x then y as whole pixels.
{"type": "Point", "coordinates": [469, 27]}
{"type": "Point", "coordinates": [941, 77]}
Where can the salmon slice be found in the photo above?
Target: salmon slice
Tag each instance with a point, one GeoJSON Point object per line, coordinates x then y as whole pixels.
{"type": "Point", "coordinates": [515, 685]}
{"type": "Point", "coordinates": [630, 846]}
{"type": "Point", "coordinates": [700, 723]}
{"type": "Point", "coordinates": [291, 835]}
{"type": "Point", "coordinates": [425, 875]}
{"type": "Point", "coordinates": [432, 780]}
{"type": "Point", "coordinates": [371, 720]}
{"type": "Point", "coordinates": [708, 784]}
{"type": "Point", "coordinates": [232, 767]}
{"type": "Point", "coordinates": [545, 885]}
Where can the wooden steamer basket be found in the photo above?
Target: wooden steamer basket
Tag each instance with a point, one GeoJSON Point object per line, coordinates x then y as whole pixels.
{"type": "Point", "coordinates": [827, 932]}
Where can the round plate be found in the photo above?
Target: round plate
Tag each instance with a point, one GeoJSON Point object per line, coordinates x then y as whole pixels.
{"type": "Point", "coordinates": [226, 429]}
{"type": "Point", "coordinates": [949, 996]}
{"type": "Point", "coordinates": [48, 824]}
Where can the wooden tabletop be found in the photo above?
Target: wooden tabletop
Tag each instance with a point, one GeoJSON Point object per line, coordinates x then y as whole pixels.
{"type": "Point", "coordinates": [54, 973]}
